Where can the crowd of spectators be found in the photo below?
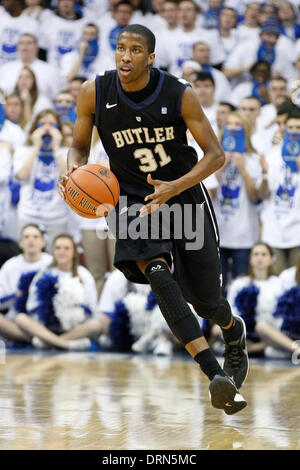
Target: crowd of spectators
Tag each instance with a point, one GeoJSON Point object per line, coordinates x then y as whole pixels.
{"type": "Point", "coordinates": [242, 59]}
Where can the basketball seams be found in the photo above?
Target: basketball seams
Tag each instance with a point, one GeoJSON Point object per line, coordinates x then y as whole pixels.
{"type": "Point", "coordinates": [79, 211]}
{"type": "Point", "coordinates": [91, 197]}
{"type": "Point", "coordinates": [88, 171]}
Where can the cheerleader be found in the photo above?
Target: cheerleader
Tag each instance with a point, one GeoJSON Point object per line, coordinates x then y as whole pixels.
{"type": "Point", "coordinates": [128, 319]}
{"type": "Point", "coordinates": [255, 297]}
{"type": "Point", "coordinates": [60, 297]}
{"type": "Point", "coordinates": [15, 277]}
{"type": "Point", "coordinates": [288, 306]}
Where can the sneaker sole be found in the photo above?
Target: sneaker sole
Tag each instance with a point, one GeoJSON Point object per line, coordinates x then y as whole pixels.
{"type": "Point", "coordinates": [224, 396]}
{"type": "Point", "coordinates": [246, 350]}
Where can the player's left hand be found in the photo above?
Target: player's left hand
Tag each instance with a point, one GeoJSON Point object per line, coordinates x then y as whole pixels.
{"type": "Point", "coordinates": [163, 191]}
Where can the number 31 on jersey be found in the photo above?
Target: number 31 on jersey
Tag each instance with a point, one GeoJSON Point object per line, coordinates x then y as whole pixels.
{"type": "Point", "coordinates": [147, 160]}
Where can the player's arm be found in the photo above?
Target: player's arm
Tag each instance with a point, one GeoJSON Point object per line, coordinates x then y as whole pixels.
{"type": "Point", "coordinates": [202, 132]}
{"type": "Point", "coordinates": [79, 151]}
{"type": "Point", "coordinates": [80, 148]}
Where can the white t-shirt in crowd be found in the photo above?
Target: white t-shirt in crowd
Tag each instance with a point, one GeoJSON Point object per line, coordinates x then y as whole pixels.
{"type": "Point", "coordinates": [246, 54]}
{"type": "Point", "coordinates": [211, 114]}
{"type": "Point", "coordinates": [180, 49]}
{"type": "Point", "coordinates": [39, 197]}
{"type": "Point", "coordinates": [60, 36]}
{"type": "Point", "coordinates": [280, 214]}
{"type": "Point", "coordinates": [10, 274]}
{"type": "Point", "coordinates": [49, 78]}
{"type": "Point", "coordinates": [13, 134]}
{"type": "Point", "coordinates": [10, 31]}
{"type": "Point", "coordinates": [222, 86]}
{"type": "Point", "coordinates": [245, 33]}
{"type": "Point", "coordinates": [237, 216]}
{"type": "Point", "coordinates": [211, 181]}
{"type": "Point", "coordinates": [5, 194]}
{"type": "Point", "coordinates": [229, 43]}
{"type": "Point", "coordinates": [100, 64]}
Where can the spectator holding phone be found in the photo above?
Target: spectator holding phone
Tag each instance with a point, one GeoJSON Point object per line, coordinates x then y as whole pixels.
{"type": "Point", "coordinates": [280, 190]}
{"type": "Point", "coordinates": [237, 194]}
{"type": "Point", "coordinates": [39, 164]}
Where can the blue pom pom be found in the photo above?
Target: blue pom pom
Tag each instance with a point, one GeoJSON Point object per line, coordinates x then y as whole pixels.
{"type": "Point", "coordinates": [23, 288]}
{"type": "Point", "coordinates": [151, 301]}
{"type": "Point", "coordinates": [46, 290]}
{"type": "Point", "coordinates": [288, 307]}
{"type": "Point", "coordinates": [245, 302]}
{"type": "Point", "coordinates": [119, 328]}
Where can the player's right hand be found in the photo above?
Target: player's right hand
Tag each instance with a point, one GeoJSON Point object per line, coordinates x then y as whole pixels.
{"type": "Point", "coordinates": [63, 181]}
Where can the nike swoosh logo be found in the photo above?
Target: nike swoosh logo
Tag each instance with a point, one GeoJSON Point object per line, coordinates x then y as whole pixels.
{"type": "Point", "coordinates": [228, 404]}
{"type": "Point", "coordinates": [110, 105]}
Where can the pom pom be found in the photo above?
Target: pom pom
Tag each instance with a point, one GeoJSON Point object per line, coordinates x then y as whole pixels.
{"type": "Point", "coordinates": [23, 289]}
{"type": "Point", "coordinates": [67, 302]}
{"type": "Point", "coordinates": [245, 302]}
{"type": "Point", "coordinates": [46, 288]}
{"type": "Point", "coordinates": [119, 328]}
{"type": "Point", "coordinates": [288, 307]}
{"type": "Point", "coordinates": [138, 316]}
{"type": "Point", "coordinates": [151, 301]}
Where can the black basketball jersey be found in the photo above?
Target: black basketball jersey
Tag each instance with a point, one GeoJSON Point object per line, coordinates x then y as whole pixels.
{"type": "Point", "coordinates": [145, 137]}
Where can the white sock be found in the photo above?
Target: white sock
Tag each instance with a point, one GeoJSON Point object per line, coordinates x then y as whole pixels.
{"type": "Point", "coordinates": [81, 344]}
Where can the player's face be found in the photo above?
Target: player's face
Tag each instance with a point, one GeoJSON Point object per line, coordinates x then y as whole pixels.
{"type": "Point", "coordinates": [31, 241]}
{"type": "Point", "coordinates": [293, 126]}
{"type": "Point", "coordinates": [133, 60]}
{"type": "Point", "coordinates": [63, 253]}
{"type": "Point", "coordinates": [260, 257]}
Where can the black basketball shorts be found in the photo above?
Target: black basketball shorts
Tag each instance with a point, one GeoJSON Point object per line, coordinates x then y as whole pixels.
{"type": "Point", "coordinates": [170, 235]}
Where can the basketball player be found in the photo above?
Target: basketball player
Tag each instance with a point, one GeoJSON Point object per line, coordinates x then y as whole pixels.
{"type": "Point", "coordinates": [142, 114]}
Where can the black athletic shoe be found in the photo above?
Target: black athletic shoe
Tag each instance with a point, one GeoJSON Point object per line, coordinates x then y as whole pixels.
{"type": "Point", "coordinates": [236, 362]}
{"type": "Point", "coordinates": [225, 396]}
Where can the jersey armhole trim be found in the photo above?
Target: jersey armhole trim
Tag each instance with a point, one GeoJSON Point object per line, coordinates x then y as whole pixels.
{"type": "Point", "coordinates": [182, 89]}
{"type": "Point", "coordinates": [97, 110]}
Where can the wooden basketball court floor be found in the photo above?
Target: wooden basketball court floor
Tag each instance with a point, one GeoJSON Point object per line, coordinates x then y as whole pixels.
{"type": "Point", "coordinates": [109, 401]}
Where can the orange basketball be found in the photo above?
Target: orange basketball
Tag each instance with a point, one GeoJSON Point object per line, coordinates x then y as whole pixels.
{"type": "Point", "coordinates": [92, 191]}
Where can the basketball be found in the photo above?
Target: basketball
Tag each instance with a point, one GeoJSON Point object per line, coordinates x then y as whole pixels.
{"type": "Point", "coordinates": [92, 191]}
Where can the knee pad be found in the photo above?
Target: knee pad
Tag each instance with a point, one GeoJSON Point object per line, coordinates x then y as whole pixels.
{"type": "Point", "coordinates": [174, 308]}
{"type": "Point", "coordinates": [220, 315]}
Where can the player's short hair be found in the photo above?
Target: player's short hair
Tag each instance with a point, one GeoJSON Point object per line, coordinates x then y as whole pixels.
{"type": "Point", "coordinates": [141, 31]}
{"type": "Point", "coordinates": [203, 77]}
